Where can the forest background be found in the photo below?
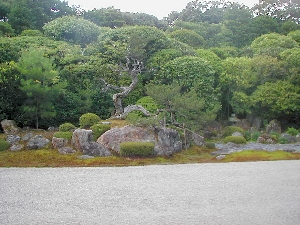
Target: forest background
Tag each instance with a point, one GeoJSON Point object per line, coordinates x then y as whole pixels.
{"type": "Point", "coordinates": [210, 60]}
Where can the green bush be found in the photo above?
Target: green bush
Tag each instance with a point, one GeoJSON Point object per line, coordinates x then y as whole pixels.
{"type": "Point", "coordinates": [292, 131]}
{"type": "Point", "coordinates": [229, 130]}
{"type": "Point", "coordinates": [4, 145]}
{"type": "Point", "coordinates": [283, 140]}
{"type": "Point", "coordinates": [66, 135]}
{"type": "Point", "coordinates": [99, 129]}
{"type": "Point", "coordinates": [66, 127]}
{"type": "Point", "coordinates": [89, 119]}
{"type": "Point", "coordinates": [137, 149]}
{"type": "Point", "coordinates": [235, 139]}
{"type": "Point", "coordinates": [248, 135]}
{"type": "Point", "coordinates": [210, 145]}
{"type": "Point", "coordinates": [255, 135]}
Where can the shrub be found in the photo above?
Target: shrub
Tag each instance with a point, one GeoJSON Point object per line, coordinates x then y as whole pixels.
{"type": "Point", "coordinates": [248, 135]}
{"type": "Point", "coordinates": [283, 140]}
{"type": "Point", "coordinates": [89, 119]}
{"type": "Point", "coordinates": [66, 127]}
{"type": "Point", "coordinates": [66, 135]}
{"type": "Point", "coordinates": [4, 145]}
{"type": "Point", "coordinates": [235, 139]}
{"type": "Point", "coordinates": [229, 130]}
{"type": "Point", "coordinates": [137, 149]}
{"type": "Point", "coordinates": [99, 129]}
{"type": "Point", "coordinates": [292, 131]}
{"type": "Point", "coordinates": [210, 145]}
{"type": "Point", "coordinates": [255, 135]}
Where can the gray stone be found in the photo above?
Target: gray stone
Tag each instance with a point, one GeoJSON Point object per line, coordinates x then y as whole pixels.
{"type": "Point", "coordinates": [10, 127]}
{"type": "Point", "coordinates": [237, 134]}
{"type": "Point", "coordinates": [85, 157]}
{"type": "Point", "coordinates": [194, 138]}
{"type": "Point", "coordinates": [27, 136]}
{"type": "Point", "coordinates": [13, 139]}
{"type": "Point", "coordinates": [95, 149]}
{"type": "Point", "coordinates": [81, 136]}
{"type": "Point", "coordinates": [220, 157]}
{"type": "Point", "coordinates": [266, 139]}
{"type": "Point", "coordinates": [59, 142]}
{"type": "Point", "coordinates": [66, 150]}
{"type": "Point", "coordinates": [16, 148]}
{"type": "Point", "coordinates": [167, 141]}
{"type": "Point", "coordinates": [290, 138]}
{"type": "Point", "coordinates": [37, 142]}
{"type": "Point", "coordinates": [273, 126]}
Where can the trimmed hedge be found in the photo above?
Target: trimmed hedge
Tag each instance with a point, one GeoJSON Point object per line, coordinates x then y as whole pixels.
{"type": "Point", "coordinates": [99, 129]}
{"type": "Point", "coordinates": [137, 149]}
{"type": "Point", "coordinates": [65, 135]}
{"type": "Point", "coordinates": [89, 119]}
{"type": "Point", "coordinates": [4, 145]}
{"type": "Point", "coordinates": [65, 127]}
{"type": "Point", "coordinates": [229, 130]}
{"type": "Point", "coordinates": [235, 139]}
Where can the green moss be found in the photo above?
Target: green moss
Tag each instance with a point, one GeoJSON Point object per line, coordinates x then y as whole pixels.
{"type": "Point", "coordinates": [65, 135]}
{"type": "Point", "coordinates": [4, 145]}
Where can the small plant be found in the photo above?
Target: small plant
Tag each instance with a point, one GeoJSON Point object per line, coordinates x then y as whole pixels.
{"type": "Point", "coordinates": [283, 140]}
{"type": "Point", "coordinates": [229, 130]}
{"type": "Point", "coordinates": [292, 131]}
{"type": "Point", "coordinates": [99, 129]}
{"type": "Point", "coordinates": [235, 139]}
{"type": "Point", "coordinates": [4, 145]}
{"type": "Point", "coordinates": [66, 127]}
{"type": "Point", "coordinates": [137, 149]}
{"type": "Point", "coordinates": [210, 145]}
{"type": "Point", "coordinates": [255, 135]}
{"type": "Point", "coordinates": [65, 135]}
{"type": "Point", "coordinates": [89, 119]}
{"type": "Point", "coordinates": [248, 135]}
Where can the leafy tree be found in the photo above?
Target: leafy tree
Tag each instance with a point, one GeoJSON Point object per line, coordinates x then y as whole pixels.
{"type": "Point", "coordinates": [189, 37]}
{"type": "Point", "coordinates": [272, 44]}
{"type": "Point", "coordinates": [72, 29]}
{"type": "Point", "coordinates": [4, 10]}
{"type": "Point", "coordinates": [40, 83]}
{"type": "Point", "coordinates": [295, 35]}
{"type": "Point", "coordinates": [6, 29]}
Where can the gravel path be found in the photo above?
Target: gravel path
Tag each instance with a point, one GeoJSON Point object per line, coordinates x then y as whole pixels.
{"type": "Point", "coordinates": [256, 193]}
{"type": "Point", "coordinates": [229, 148]}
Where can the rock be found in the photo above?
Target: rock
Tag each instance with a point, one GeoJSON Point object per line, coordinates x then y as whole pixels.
{"type": "Point", "coordinates": [81, 136]}
{"type": "Point", "coordinates": [85, 157]}
{"type": "Point", "coordinates": [13, 139]}
{"type": "Point", "coordinates": [167, 141]}
{"type": "Point", "coordinates": [273, 126]}
{"type": "Point", "coordinates": [16, 148]}
{"type": "Point", "coordinates": [66, 150]}
{"type": "Point", "coordinates": [237, 134]}
{"type": "Point", "coordinates": [27, 136]}
{"type": "Point", "coordinates": [59, 142]}
{"type": "Point", "coordinates": [37, 142]}
{"type": "Point", "coordinates": [9, 127]}
{"type": "Point", "coordinates": [290, 138]}
{"type": "Point", "coordinates": [193, 138]}
{"type": "Point", "coordinates": [95, 149]}
{"type": "Point", "coordinates": [266, 139]}
{"type": "Point", "coordinates": [220, 157]}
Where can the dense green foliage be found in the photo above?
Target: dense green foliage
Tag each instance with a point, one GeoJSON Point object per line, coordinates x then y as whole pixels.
{"type": "Point", "coordinates": [235, 139]}
{"type": "Point", "coordinates": [137, 149]}
{"type": "Point", "coordinates": [4, 145]}
{"type": "Point", "coordinates": [66, 135]}
{"type": "Point", "coordinates": [229, 130]}
{"type": "Point", "coordinates": [65, 127]}
{"type": "Point", "coordinates": [99, 129]}
{"type": "Point", "coordinates": [211, 59]}
{"type": "Point", "coordinates": [88, 119]}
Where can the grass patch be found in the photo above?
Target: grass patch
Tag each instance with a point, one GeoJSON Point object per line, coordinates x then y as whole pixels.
{"type": "Point", "coordinates": [51, 158]}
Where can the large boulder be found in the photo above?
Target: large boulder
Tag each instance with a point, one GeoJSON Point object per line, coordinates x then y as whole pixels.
{"type": "Point", "coordinates": [95, 149]}
{"type": "Point", "coordinates": [59, 142]}
{"type": "Point", "coordinates": [81, 136]}
{"type": "Point", "coordinates": [192, 138]}
{"type": "Point", "coordinates": [37, 142]}
{"type": "Point", "coordinates": [9, 127]}
{"type": "Point", "coordinates": [13, 139]}
{"type": "Point", "coordinates": [167, 141]}
{"type": "Point", "coordinates": [273, 126]}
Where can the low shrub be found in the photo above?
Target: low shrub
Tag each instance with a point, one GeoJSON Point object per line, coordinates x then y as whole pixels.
{"type": "Point", "coordinates": [292, 131]}
{"type": "Point", "coordinates": [89, 119]}
{"type": "Point", "coordinates": [255, 135]}
{"type": "Point", "coordinates": [229, 130]}
{"type": "Point", "coordinates": [65, 127]}
{"type": "Point", "coordinates": [137, 149]}
{"type": "Point", "coordinates": [4, 145]}
{"type": "Point", "coordinates": [283, 140]}
{"type": "Point", "coordinates": [248, 135]}
{"type": "Point", "coordinates": [99, 129]}
{"type": "Point", "coordinates": [66, 135]}
{"type": "Point", "coordinates": [235, 139]}
{"type": "Point", "coordinates": [210, 145]}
